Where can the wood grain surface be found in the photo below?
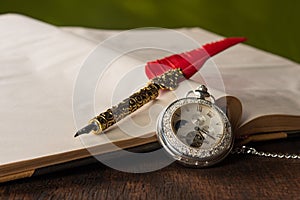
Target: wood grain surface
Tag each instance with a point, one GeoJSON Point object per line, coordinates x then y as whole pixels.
{"type": "Point", "coordinates": [238, 177]}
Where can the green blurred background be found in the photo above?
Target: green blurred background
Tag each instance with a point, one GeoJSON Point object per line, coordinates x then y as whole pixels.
{"type": "Point", "coordinates": [268, 24]}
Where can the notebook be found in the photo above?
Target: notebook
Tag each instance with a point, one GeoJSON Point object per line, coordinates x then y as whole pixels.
{"type": "Point", "coordinates": [40, 64]}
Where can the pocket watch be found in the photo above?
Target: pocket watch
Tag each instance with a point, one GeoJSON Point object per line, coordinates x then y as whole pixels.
{"type": "Point", "coordinates": [194, 130]}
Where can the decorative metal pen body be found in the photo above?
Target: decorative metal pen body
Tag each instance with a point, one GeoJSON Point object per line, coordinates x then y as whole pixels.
{"type": "Point", "coordinates": [127, 106]}
{"type": "Point", "coordinates": [169, 80]}
{"type": "Point", "coordinates": [181, 66]}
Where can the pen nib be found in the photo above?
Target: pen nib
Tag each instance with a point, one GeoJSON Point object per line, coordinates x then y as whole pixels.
{"type": "Point", "coordinates": [87, 129]}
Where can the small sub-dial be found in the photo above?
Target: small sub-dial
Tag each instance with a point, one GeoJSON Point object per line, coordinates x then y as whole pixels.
{"type": "Point", "coordinates": [198, 120]}
{"type": "Point", "coordinates": [179, 124]}
{"type": "Point", "coordinates": [193, 139]}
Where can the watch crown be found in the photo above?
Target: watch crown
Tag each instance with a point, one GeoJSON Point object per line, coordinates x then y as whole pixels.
{"type": "Point", "coordinates": [202, 89]}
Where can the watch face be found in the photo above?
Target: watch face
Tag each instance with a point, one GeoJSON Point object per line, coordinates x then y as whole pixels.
{"type": "Point", "coordinates": [198, 125]}
{"type": "Point", "coordinates": [195, 132]}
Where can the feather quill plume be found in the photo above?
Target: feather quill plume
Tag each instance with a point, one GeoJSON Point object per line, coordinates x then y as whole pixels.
{"type": "Point", "coordinates": [190, 62]}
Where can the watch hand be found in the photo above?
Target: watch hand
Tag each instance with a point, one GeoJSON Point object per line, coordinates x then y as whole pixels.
{"type": "Point", "coordinates": [205, 132]}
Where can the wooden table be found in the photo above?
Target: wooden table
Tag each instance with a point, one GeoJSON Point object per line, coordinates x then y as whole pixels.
{"type": "Point", "coordinates": [238, 177]}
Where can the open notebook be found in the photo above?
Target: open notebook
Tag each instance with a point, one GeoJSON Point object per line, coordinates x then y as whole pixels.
{"type": "Point", "coordinates": [39, 64]}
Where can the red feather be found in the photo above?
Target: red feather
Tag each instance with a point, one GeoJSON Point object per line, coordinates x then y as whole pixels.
{"type": "Point", "coordinates": [190, 62]}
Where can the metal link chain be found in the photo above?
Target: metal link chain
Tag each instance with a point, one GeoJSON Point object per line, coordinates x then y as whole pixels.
{"type": "Point", "coordinates": [252, 151]}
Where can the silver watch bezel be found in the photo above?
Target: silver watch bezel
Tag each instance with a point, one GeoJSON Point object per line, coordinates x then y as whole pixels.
{"type": "Point", "coordinates": [184, 154]}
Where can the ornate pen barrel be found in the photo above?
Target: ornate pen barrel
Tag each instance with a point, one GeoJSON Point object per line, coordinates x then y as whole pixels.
{"type": "Point", "coordinates": [127, 106]}
{"type": "Point", "coordinates": [168, 80]}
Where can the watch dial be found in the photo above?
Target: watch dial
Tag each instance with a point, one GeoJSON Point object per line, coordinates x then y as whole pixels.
{"type": "Point", "coordinates": [197, 125]}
